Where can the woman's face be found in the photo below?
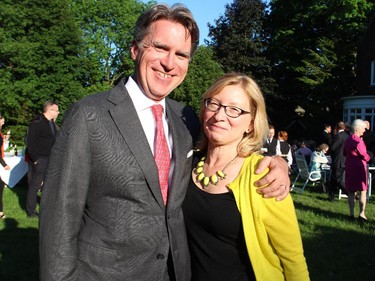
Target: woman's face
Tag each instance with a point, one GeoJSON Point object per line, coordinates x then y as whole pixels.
{"type": "Point", "coordinates": [2, 121]}
{"type": "Point", "coordinates": [362, 129]}
{"type": "Point", "coordinates": [221, 129]}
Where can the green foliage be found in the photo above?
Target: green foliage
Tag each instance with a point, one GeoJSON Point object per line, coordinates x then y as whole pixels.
{"type": "Point", "coordinates": [203, 71]}
{"type": "Point", "coordinates": [62, 51]}
{"type": "Point", "coordinates": [313, 49]}
{"type": "Point", "coordinates": [17, 134]}
{"type": "Point", "coordinates": [40, 60]}
{"type": "Point", "coordinates": [302, 53]}
{"type": "Point", "coordinates": [239, 41]}
{"type": "Point", "coordinates": [107, 32]}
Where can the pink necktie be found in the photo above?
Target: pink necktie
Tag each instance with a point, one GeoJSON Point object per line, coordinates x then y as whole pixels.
{"type": "Point", "coordinates": [161, 151]}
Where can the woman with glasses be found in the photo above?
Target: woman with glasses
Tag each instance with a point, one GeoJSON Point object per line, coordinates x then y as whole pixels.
{"type": "Point", "coordinates": [233, 232]}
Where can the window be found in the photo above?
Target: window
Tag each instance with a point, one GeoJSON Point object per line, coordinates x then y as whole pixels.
{"type": "Point", "coordinates": [372, 83]}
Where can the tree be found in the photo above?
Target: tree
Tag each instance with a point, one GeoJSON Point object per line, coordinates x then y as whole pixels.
{"type": "Point", "coordinates": [313, 48]}
{"type": "Point", "coordinates": [107, 28]}
{"type": "Point", "coordinates": [203, 71]}
{"type": "Point", "coordinates": [239, 41]}
{"type": "Point", "coordinates": [40, 49]}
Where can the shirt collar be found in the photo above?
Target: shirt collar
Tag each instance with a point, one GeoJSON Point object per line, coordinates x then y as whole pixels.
{"type": "Point", "coordinates": [140, 100]}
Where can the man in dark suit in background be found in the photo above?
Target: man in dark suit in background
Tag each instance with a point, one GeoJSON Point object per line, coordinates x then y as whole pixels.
{"type": "Point", "coordinates": [338, 161]}
{"type": "Point", "coordinates": [103, 214]}
{"type": "Point", "coordinates": [369, 139]}
{"type": "Point", "coordinates": [326, 136]}
{"type": "Point", "coordinates": [270, 145]}
{"type": "Point", "coordinates": [40, 138]}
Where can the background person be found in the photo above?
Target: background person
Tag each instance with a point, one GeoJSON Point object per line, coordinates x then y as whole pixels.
{"type": "Point", "coordinates": [234, 233]}
{"type": "Point", "coordinates": [283, 148]}
{"type": "Point", "coordinates": [40, 139]}
{"type": "Point", "coordinates": [270, 143]}
{"type": "Point", "coordinates": [6, 167]}
{"type": "Point", "coordinates": [356, 158]}
{"type": "Point", "coordinates": [369, 140]}
{"type": "Point", "coordinates": [108, 210]}
{"type": "Point", "coordinates": [318, 158]}
{"type": "Point", "coordinates": [338, 161]}
{"type": "Point", "coordinates": [305, 151]}
{"type": "Point", "coordinates": [326, 135]}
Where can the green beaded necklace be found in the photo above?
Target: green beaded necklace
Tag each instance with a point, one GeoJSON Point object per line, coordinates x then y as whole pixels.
{"type": "Point", "coordinates": [213, 179]}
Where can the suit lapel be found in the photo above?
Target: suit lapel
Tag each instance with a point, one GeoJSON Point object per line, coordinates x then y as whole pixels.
{"type": "Point", "coordinates": [126, 119]}
{"type": "Point", "coordinates": [181, 147]}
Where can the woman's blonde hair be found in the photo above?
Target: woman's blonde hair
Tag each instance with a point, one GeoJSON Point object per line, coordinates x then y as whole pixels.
{"type": "Point", "coordinates": [252, 141]}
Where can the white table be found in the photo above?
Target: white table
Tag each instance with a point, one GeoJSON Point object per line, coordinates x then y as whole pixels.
{"type": "Point", "coordinates": [18, 169]}
{"type": "Point", "coordinates": [370, 170]}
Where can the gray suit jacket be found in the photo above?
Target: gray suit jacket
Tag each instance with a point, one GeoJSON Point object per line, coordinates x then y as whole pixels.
{"type": "Point", "coordinates": [102, 215]}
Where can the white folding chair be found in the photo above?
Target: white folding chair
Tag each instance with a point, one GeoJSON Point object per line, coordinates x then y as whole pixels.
{"type": "Point", "coordinates": [305, 174]}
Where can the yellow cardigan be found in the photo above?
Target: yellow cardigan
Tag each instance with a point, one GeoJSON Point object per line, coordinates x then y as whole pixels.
{"type": "Point", "coordinates": [271, 229]}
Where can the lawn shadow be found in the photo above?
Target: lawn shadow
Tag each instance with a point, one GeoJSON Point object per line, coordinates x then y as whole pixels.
{"type": "Point", "coordinates": [20, 189]}
{"type": "Point", "coordinates": [19, 252]}
{"type": "Point", "coordinates": [337, 254]}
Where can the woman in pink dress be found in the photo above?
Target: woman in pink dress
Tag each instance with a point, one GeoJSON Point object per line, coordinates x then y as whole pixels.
{"type": "Point", "coordinates": [356, 168]}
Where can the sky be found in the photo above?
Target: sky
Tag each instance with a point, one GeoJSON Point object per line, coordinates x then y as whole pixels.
{"type": "Point", "coordinates": [204, 11]}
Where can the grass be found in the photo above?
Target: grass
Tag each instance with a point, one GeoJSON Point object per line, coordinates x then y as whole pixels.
{"type": "Point", "coordinates": [335, 248]}
{"type": "Point", "coordinates": [18, 238]}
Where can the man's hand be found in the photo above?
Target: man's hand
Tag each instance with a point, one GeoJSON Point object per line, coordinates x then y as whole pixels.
{"type": "Point", "coordinates": [277, 179]}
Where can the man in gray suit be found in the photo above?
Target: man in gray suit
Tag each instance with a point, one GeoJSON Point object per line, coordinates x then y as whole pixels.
{"type": "Point", "coordinates": [102, 215]}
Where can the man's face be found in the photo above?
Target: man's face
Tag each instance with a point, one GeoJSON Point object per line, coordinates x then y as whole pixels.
{"type": "Point", "coordinates": [271, 133]}
{"type": "Point", "coordinates": [329, 129]}
{"type": "Point", "coordinates": [162, 58]}
{"type": "Point", "coordinates": [53, 112]}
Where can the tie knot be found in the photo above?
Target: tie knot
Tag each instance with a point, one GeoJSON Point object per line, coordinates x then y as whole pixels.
{"type": "Point", "coordinates": [157, 110]}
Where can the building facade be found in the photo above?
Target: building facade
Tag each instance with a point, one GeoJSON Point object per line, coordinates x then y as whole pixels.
{"type": "Point", "coordinates": [362, 105]}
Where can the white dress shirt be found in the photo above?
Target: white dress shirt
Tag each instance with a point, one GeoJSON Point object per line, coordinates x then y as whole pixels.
{"type": "Point", "coordinates": [143, 105]}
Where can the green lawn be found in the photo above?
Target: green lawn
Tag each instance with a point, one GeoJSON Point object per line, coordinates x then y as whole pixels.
{"type": "Point", "coordinates": [335, 248]}
{"type": "Point", "coordinates": [18, 239]}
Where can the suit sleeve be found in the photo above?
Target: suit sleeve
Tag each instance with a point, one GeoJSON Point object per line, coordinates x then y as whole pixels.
{"type": "Point", "coordinates": [32, 138]}
{"type": "Point", "coordinates": [63, 198]}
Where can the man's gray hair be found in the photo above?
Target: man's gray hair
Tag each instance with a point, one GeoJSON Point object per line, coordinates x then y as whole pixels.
{"type": "Point", "coordinates": [177, 13]}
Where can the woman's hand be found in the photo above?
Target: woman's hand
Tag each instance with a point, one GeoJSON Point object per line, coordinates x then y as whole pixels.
{"type": "Point", "coordinates": [277, 180]}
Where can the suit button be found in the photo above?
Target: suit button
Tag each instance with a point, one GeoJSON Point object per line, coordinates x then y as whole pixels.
{"type": "Point", "coordinates": [160, 256]}
{"type": "Point", "coordinates": [168, 216]}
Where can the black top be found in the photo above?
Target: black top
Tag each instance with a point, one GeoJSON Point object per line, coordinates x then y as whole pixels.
{"type": "Point", "coordinates": [216, 241]}
{"type": "Point", "coordinates": [271, 147]}
{"type": "Point", "coordinates": [284, 148]}
{"type": "Point", "coordinates": [40, 137]}
{"type": "Point", "coordinates": [2, 162]}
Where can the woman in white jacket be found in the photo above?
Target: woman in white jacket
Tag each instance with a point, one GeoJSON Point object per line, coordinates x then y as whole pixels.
{"type": "Point", "coordinates": [318, 158]}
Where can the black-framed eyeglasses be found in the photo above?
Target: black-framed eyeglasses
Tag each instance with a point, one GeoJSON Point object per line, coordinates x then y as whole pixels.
{"type": "Point", "coordinates": [230, 111]}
